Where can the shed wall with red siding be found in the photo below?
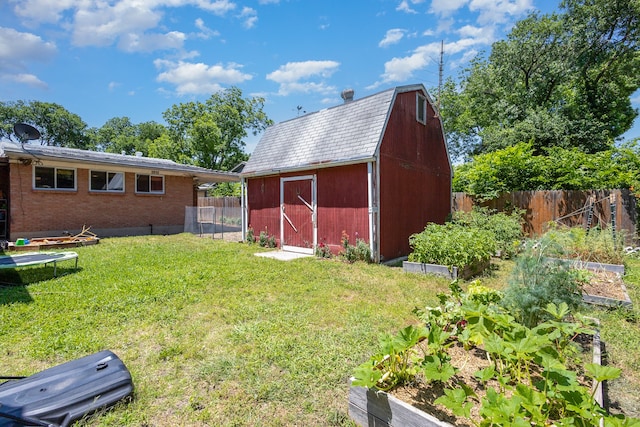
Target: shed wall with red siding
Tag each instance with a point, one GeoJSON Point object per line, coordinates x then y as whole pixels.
{"type": "Point", "coordinates": [342, 204]}
{"type": "Point", "coordinates": [415, 177]}
{"type": "Point", "coordinates": [263, 205]}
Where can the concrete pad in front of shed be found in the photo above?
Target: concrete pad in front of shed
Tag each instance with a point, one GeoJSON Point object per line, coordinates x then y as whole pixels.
{"type": "Point", "coordinates": [282, 255]}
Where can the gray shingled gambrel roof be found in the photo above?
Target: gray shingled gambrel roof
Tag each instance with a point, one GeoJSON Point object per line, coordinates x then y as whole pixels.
{"type": "Point", "coordinates": [350, 132]}
{"type": "Point", "coordinates": [86, 157]}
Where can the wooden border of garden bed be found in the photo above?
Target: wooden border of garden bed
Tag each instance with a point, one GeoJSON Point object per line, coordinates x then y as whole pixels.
{"type": "Point", "coordinates": [609, 302]}
{"type": "Point", "coordinates": [375, 408]}
{"type": "Point", "coordinates": [442, 270]}
{"type": "Point", "coordinates": [597, 299]}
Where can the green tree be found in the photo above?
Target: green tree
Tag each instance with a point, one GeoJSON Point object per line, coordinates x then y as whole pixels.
{"type": "Point", "coordinates": [57, 126]}
{"type": "Point", "coordinates": [514, 168]}
{"type": "Point", "coordinates": [227, 189]}
{"type": "Point", "coordinates": [558, 80]}
{"type": "Point", "coordinates": [518, 168]}
{"type": "Point", "coordinates": [120, 135]}
{"type": "Point", "coordinates": [211, 133]}
{"type": "Point", "coordinates": [603, 45]}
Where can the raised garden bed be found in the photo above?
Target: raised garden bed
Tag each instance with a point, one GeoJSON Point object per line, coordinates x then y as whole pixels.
{"type": "Point", "coordinates": [444, 271]}
{"type": "Point", "coordinates": [372, 407]}
{"type": "Point", "coordinates": [606, 287]}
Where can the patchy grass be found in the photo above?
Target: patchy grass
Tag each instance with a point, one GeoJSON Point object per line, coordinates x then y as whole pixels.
{"type": "Point", "coordinates": [621, 334]}
{"type": "Point", "coordinates": [214, 335]}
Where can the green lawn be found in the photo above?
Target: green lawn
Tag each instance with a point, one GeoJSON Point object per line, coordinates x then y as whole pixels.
{"type": "Point", "coordinates": [214, 335]}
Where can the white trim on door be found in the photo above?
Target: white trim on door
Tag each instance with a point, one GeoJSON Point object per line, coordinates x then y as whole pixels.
{"type": "Point", "coordinates": [312, 206]}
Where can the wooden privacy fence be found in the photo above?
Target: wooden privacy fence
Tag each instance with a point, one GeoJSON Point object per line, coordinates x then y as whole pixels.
{"type": "Point", "coordinates": [220, 202]}
{"type": "Point", "coordinates": [569, 207]}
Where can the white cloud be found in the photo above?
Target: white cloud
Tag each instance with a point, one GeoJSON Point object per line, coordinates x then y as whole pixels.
{"type": "Point", "coordinates": [405, 7]}
{"type": "Point", "coordinates": [129, 23]}
{"type": "Point", "coordinates": [392, 36]}
{"type": "Point", "coordinates": [113, 85]}
{"type": "Point", "coordinates": [470, 38]}
{"type": "Point", "coordinates": [205, 32]}
{"type": "Point", "coordinates": [464, 59]}
{"type": "Point", "coordinates": [16, 46]}
{"type": "Point", "coordinates": [199, 78]}
{"type": "Point", "coordinates": [403, 68]}
{"type": "Point", "coordinates": [294, 71]}
{"type": "Point", "coordinates": [103, 25]}
{"type": "Point", "coordinates": [34, 12]}
{"type": "Point", "coordinates": [151, 42]}
{"type": "Point", "coordinates": [217, 7]}
{"type": "Point", "coordinates": [499, 11]}
{"type": "Point", "coordinates": [290, 76]}
{"type": "Point", "coordinates": [305, 87]}
{"type": "Point", "coordinates": [250, 17]}
{"type": "Point", "coordinates": [445, 25]}
{"type": "Point", "coordinates": [25, 79]}
{"type": "Point", "coordinates": [446, 7]}
{"type": "Point", "coordinates": [17, 50]}
{"type": "Point", "coordinates": [481, 35]}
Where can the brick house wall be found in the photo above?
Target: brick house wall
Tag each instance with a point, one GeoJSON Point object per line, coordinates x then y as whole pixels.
{"type": "Point", "coordinates": [42, 213]}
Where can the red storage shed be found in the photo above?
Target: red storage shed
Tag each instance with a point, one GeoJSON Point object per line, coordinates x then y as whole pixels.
{"type": "Point", "coordinates": [375, 168]}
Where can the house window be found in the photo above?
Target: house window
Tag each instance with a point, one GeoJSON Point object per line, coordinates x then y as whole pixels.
{"type": "Point", "coordinates": [153, 184]}
{"type": "Point", "coordinates": [421, 109]}
{"type": "Point", "coordinates": [54, 178]}
{"type": "Point", "coordinates": [107, 181]}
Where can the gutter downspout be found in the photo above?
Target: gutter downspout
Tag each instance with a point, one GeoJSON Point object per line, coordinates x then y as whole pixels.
{"type": "Point", "coordinates": [373, 211]}
{"type": "Point", "coordinates": [377, 223]}
{"type": "Point", "coordinates": [243, 208]}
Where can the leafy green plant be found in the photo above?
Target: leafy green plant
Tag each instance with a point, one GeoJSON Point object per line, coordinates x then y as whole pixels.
{"type": "Point", "coordinates": [394, 364]}
{"type": "Point", "coordinates": [251, 238]}
{"type": "Point", "coordinates": [265, 240]}
{"type": "Point", "coordinates": [452, 245]}
{"type": "Point", "coordinates": [595, 245]}
{"type": "Point", "coordinates": [533, 378]}
{"type": "Point", "coordinates": [506, 228]}
{"type": "Point", "coordinates": [323, 250]}
{"type": "Point", "coordinates": [359, 252]}
{"type": "Point", "coordinates": [537, 280]}
{"type": "Point", "coordinates": [520, 168]}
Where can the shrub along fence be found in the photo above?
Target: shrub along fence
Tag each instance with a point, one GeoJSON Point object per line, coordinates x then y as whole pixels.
{"type": "Point", "coordinates": [615, 209]}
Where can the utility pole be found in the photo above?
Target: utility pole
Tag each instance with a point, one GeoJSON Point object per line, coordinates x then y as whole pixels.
{"type": "Point", "coordinates": [440, 72]}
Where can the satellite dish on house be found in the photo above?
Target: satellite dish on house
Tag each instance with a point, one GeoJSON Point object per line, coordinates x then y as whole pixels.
{"type": "Point", "coordinates": [25, 132]}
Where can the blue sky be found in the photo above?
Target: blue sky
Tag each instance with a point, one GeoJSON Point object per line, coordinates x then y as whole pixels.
{"type": "Point", "coordinates": [136, 58]}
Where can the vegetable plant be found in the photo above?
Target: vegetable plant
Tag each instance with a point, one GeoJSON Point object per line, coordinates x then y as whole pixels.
{"type": "Point", "coordinates": [538, 280]}
{"type": "Point", "coordinates": [534, 376]}
{"type": "Point", "coordinates": [452, 245]}
{"type": "Point", "coordinates": [595, 245]}
{"type": "Point", "coordinates": [506, 228]}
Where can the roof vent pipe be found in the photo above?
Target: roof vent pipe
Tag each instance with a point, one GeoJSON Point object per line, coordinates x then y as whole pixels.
{"type": "Point", "coordinates": [347, 95]}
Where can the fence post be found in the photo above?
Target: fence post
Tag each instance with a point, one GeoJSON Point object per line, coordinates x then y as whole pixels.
{"type": "Point", "coordinates": [612, 207]}
{"type": "Point", "coordinates": [590, 212]}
